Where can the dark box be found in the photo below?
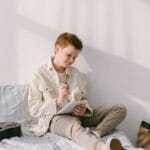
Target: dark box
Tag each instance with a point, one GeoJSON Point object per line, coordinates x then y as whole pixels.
{"type": "Point", "coordinates": [9, 129]}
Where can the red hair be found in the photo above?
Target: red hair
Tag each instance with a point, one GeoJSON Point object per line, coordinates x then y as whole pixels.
{"type": "Point", "coordinates": [66, 39]}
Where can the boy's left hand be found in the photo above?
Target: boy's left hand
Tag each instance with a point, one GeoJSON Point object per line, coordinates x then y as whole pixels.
{"type": "Point", "coordinates": [79, 110]}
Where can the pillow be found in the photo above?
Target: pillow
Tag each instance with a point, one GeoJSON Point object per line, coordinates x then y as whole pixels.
{"type": "Point", "coordinates": [14, 103]}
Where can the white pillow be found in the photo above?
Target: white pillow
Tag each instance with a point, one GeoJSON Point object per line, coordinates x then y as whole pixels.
{"type": "Point", "coordinates": [14, 103]}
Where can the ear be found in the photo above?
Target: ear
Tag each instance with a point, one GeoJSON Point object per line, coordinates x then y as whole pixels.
{"type": "Point", "coordinates": [57, 48]}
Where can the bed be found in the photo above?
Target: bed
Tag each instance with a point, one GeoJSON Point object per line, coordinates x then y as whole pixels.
{"type": "Point", "coordinates": [13, 107]}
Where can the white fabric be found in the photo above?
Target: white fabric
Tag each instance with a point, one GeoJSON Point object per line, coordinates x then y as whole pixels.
{"type": "Point", "coordinates": [52, 141]}
{"type": "Point", "coordinates": [13, 103]}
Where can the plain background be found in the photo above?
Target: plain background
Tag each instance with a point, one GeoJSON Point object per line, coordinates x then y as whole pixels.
{"type": "Point", "coordinates": [116, 54]}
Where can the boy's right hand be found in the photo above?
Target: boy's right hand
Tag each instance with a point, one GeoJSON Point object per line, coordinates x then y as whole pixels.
{"type": "Point", "coordinates": [63, 92]}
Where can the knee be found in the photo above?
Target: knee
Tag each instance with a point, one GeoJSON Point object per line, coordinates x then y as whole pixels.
{"type": "Point", "coordinates": [122, 110]}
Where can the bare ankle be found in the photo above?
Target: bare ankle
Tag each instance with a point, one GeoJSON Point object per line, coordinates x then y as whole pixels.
{"type": "Point", "coordinates": [99, 132]}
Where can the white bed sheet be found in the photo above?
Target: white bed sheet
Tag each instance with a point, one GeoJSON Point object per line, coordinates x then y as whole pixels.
{"type": "Point", "coordinates": [52, 141]}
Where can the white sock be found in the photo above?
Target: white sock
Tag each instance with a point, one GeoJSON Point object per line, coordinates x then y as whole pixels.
{"type": "Point", "coordinates": [96, 134]}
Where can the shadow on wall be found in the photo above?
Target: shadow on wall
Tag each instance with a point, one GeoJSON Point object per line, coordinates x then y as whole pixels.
{"type": "Point", "coordinates": [146, 1]}
{"type": "Point", "coordinates": [35, 27]}
{"type": "Point", "coordinates": [116, 80]}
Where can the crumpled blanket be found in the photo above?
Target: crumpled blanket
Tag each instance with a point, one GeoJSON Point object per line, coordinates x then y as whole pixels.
{"type": "Point", "coordinates": [52, 141]}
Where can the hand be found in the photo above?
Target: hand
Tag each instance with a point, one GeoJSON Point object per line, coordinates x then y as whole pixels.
{"type": "Point", "coordinates": [79, 110]}
{"type": "Point", "coordinates": [63, 93]}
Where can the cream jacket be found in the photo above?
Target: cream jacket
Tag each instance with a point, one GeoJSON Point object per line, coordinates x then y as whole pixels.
{"type": "Point", "coordinates": [44, 90]}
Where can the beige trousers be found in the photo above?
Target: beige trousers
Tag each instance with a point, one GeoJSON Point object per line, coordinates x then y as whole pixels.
{"type": "Point", "coordinates": [104, 119]}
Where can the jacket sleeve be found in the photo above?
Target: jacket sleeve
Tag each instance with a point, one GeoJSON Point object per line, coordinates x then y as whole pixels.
{"type": "Point", "coordinates": [38, 105]}
{"type": "Point", "coordinates": [84, 94]}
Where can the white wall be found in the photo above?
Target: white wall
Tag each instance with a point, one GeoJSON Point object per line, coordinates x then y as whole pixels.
{"type": "Point", "coordinates": [116, 55]}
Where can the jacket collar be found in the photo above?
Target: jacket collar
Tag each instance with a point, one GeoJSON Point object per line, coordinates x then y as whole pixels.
{"type": "Point", "coordinates": [50, 67]}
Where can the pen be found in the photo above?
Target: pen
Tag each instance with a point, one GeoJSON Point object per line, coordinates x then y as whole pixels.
{"type": "Point", "coordinates": [66, 82]}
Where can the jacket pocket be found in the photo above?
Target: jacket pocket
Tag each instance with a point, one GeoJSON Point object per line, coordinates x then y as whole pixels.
{"type": "Point", "coordinates": [48, 92]}
{"type": "Point", "coordinates": [79, 94]}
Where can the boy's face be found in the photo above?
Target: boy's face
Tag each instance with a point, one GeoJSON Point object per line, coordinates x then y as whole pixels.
{"type": "Point", "coordinates": [66, 56]}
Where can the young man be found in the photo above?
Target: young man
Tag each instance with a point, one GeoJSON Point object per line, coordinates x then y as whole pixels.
{"type": "Point", "coordinates": [57, 83]}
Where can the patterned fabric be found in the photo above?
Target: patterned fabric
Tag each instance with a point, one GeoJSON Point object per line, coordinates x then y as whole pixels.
{"type": "Point", "coordinates": [143, 139]}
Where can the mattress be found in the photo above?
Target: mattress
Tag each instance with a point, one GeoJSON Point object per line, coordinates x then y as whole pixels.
{"type": "Point", "coordinates": [52, 141]}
